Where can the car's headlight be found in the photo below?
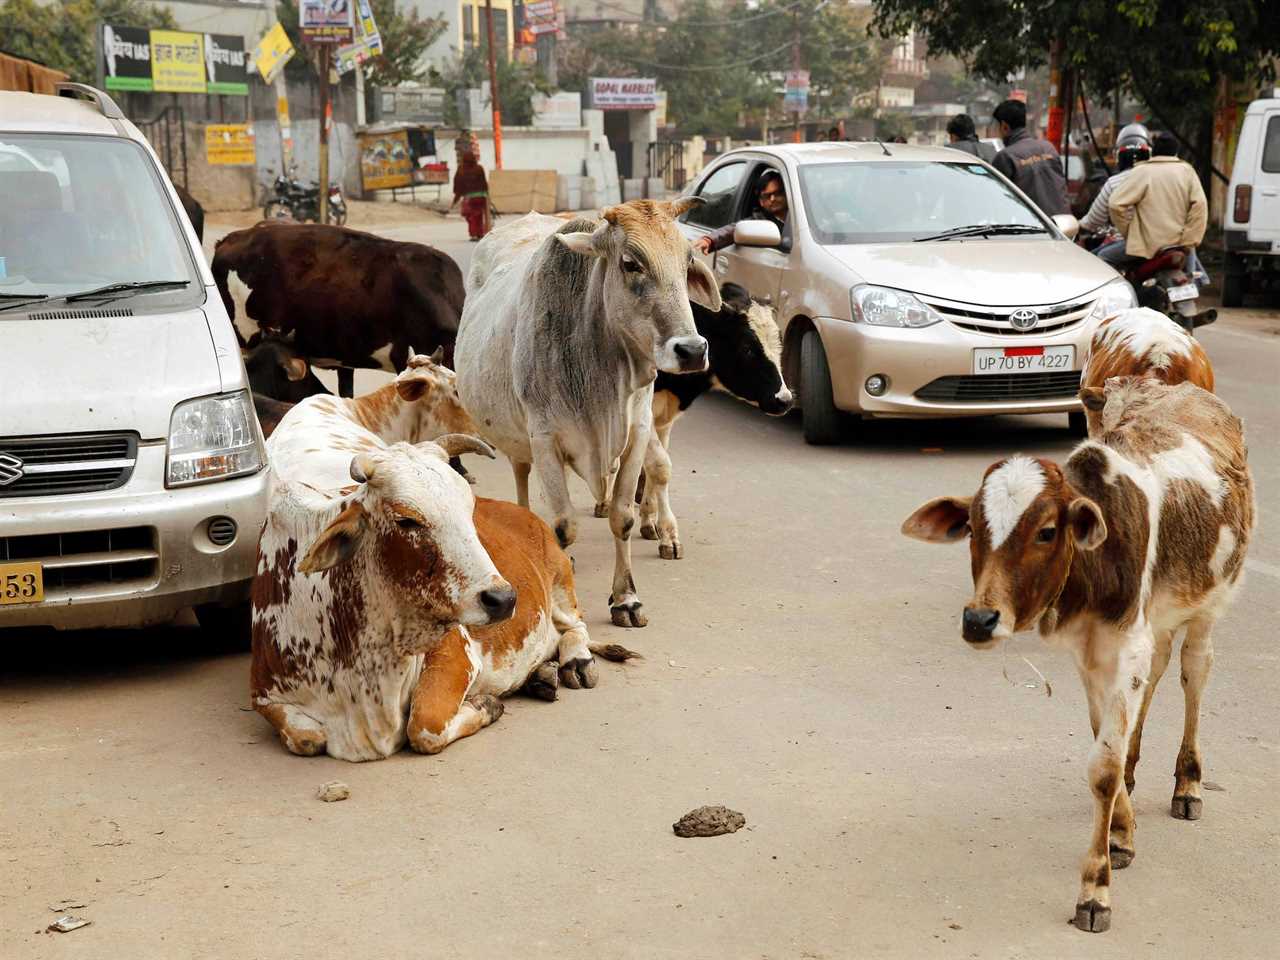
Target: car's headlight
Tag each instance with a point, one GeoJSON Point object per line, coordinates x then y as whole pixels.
{"type": "Point", "coordinates": [213, 438]}
{"type": "Point", "coordinates": [1114, 297]}
{"type": "Point", "coordinates": [884, 307]}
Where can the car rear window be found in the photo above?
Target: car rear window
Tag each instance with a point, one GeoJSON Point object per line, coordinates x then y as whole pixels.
{"type": "Point", "coordinates": [1271, 147]}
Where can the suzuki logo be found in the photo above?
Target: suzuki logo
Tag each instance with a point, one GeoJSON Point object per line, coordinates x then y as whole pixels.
{"type": "Point", "coordinates": [1023, 319]}
{"type": "Point", "coordinates": [10, 469]}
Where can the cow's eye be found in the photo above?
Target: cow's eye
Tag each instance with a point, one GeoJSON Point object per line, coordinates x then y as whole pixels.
{"type": "Point", "coordinates": [630, 264]}
{"type": "Point", "coordinates": [408, 523]}
{"type": "Point", "coordinates": [1046, 534]}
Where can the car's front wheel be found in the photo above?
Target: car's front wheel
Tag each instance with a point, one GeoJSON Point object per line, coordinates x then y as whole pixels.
{"type": "Point", "coordinates": [823, 422]}
{"type": "Point", "coordinates": [1077, 425]}
{"type": "Point", "coordinates": [226, 628]}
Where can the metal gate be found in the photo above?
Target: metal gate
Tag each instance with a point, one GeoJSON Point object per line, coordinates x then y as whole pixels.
{"type": "Point", "coordinates": [666, 160]}
{"type": "Point", "coordinates": [167, 135]}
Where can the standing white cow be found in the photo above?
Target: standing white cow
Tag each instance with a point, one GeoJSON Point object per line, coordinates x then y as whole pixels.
{"type": "Point", "coordinates": [564, 330]}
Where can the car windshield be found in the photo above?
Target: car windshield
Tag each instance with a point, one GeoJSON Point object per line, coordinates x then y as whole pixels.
{"type": "Point", "coordinates": [79, 213]}
{"type": "Point", "coordinates": [901, 201]}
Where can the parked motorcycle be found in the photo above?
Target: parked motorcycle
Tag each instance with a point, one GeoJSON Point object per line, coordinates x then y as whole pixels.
{"type": "Point", "coordinates": [290, 198]}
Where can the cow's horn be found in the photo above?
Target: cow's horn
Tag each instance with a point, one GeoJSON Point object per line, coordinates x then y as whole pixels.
{"type": "Point", "coordinates": [362, 468]}
{"type": "Point", "coordinates": [438, 355]}
{"type": "Point", "coordinates": [679, 206]}
{"type": "Point", "coordinates": [459, 443]}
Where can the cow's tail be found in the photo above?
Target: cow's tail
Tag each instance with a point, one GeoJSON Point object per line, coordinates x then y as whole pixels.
{"type": "Point", "coordinates": [615, 652]}
{"type": "Point", "coordinates": [220, 271]}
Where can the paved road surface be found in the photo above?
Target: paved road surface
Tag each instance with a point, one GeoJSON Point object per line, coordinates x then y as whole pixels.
{"type": "Point", "coordinates": [903, 799]}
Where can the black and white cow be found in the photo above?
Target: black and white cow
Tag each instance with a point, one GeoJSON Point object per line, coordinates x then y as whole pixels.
{"type": "Point", "coordinates": [746, 361]}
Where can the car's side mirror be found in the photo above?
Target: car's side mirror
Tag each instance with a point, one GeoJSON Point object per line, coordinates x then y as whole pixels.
{"type": "Point", "coordinates": [756, 233]}
{"type": "Point", "coordinates": [1068, 224]}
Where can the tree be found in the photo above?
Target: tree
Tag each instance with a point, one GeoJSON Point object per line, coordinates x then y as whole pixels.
{"type": "Point", "coordinates": [62, 34]}
{"type": "Point", "coordinates": [517, 83]}
{"type": "Point", "coordinates": [405, 39]}
{"type": "Point", "coordinates": [1168, 53]}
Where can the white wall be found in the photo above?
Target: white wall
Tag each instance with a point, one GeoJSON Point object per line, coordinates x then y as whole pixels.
{"type": "Point", "coordinates": [527, 148]}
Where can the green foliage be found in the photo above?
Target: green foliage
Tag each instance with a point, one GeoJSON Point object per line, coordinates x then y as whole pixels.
{"type": "Point", "coordinates": [723, 64]}
{"type": "Point", "coordinates": [1169, 53]}
{"type": "Point", "coordinates": [517, 83]}
{"type": "Point", "coordinates": [62, 34]}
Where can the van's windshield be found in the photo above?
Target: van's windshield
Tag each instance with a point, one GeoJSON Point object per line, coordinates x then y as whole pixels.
{"type": "Point", "coordinates": [79, 213]}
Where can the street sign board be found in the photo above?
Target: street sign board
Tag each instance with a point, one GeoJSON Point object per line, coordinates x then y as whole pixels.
{"type": "Point", "coordinates": [326, 21]}
{"type": "Point", "coordinates": [796, 96]}
{"type": "Point", "coordinates": [368, 41]}
{"type": "Point", "coordinates": [624, 93]}
{"type": "Point", "coordinates": [273, 51]}
{"type": "Point", "coordinates": [173, 61]}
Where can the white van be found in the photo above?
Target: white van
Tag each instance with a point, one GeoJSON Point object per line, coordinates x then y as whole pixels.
{"type": "Point", "coordinates": [133, 477]}
{"type": "Point", "coordinates": [1252, 226]}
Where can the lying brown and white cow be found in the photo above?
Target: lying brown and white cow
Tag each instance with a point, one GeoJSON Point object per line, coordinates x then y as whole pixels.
{"type": "Point", "coordinates": [371, 599]}
{"type": "Point", "coordinates": [1111, 554]}
{"type": "Point", "coordinates": [1141, 342]}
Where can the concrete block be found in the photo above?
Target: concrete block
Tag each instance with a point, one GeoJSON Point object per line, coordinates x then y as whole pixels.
{"type": "Point", "coordinates": [520, 191]}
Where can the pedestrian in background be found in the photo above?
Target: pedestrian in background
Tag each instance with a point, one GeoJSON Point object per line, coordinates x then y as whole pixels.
{"type": "Point", "coordinates": [1032, 164]}
{"type": "Point", "coordinates": [472, 187]}
{"type": "Point", "coordinates": [964, 136]}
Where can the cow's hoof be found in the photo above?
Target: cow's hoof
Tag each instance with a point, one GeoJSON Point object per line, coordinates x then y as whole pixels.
{"type": "Point", "coordinates": [1186, 808]}
{"type": "Point", "coordinates": [628, 615]}
{"type": "Point", "coordinates": [566, 533]}
{"type": "Point", "coordinates": [544, 682]}
{"type": "Point", "coordinates": [303, 745]}
{"type": "Point", "coordinates": [601, 511]}
{"type": "Point", "coordinates": [671, 551]}
{"type": "Point", "coordinates": [490, 706]}
{"type": "Point", "coordinates": [648, 531]}
{"type": "Point", "coordinates": [577, 674]}
{"type": "Point", "coordinates": [1121, 857]}
{"type": "Point", "coordinates": [1129, 783]}
{"type": "Point", "coordinates": [1092, 917]}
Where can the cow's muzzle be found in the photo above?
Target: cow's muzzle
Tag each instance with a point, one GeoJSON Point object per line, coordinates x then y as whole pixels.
{"type": "Point", "coordinates": [688, 354]}
{"type": "Point", "coordinates": [978, 625]}
{"type": "Point", "coordinates": [498, 603]}
{"type": "Point", "coordinates": [778, 404]}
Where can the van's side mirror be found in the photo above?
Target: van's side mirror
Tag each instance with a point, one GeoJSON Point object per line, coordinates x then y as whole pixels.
{"type": "Point", "coordinates": [1068, 224]}
{"type": "Point", "coordinates": [756, 233]}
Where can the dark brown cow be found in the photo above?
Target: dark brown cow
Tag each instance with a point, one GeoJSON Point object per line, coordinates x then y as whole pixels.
{"type": "Point", "coordinates": [193, 210]}
{"type": "Point", "coordinates": [341, 295]}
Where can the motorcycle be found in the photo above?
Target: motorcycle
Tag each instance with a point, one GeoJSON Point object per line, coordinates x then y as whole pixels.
{"type": "Point", "coordinates": [1162, 283]}
{"type": "Point", "coordinates": [292, 199]}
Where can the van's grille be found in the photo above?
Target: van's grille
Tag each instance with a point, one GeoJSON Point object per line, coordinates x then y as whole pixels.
{"type": "Point", "coordinates": [82, 314]}
{"type": "Point", "coordinates": [994, 388]}
{"type": "Point", "coordinates": [87, 558]}
{"type": "Point", "coordinates": [1053, 319]}
{"type": "Point", "coordinates": [66, 463]}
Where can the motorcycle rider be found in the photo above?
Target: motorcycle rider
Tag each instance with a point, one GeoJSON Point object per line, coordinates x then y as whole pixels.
{"type": "Point", "coordinates": [1133, 146]}
{"type": "Point", "coordinates": [1161, 203]}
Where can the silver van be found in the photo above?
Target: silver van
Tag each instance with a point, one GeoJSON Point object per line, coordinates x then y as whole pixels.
{"type": "Point", "coordinates": [133, 478]}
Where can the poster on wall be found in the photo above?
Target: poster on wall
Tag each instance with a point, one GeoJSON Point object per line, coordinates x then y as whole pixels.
{"type": "Point", "coordinates": [624, 93]}
{"type": "Point", "coordinates": [229, 145]}
{"type": "Point", "coordinates": [385, 161]}
{"type": "Point", "coordinates": [173, 61]}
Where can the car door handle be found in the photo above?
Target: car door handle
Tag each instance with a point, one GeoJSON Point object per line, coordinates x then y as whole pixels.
{"type": "Point", "coordinates": [1268, 193]}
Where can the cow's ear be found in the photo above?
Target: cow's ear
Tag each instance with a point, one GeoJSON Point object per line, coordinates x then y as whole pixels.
{"type": "Point", "coordinates": [339, 541]}
{"type": "Point", "coordinates": [941, 520]}
{"type": "Point", "coordinates": [411, 388]}
{"type": "Point", "coordinates": [1093, 398]}
{"type": "Point", "coordinates": [295, 368]}
{"type": "Point", "coordinates": [702, 286]}
{"type": "Point", "coordinates": [1088, 528]}
{"type": "Point", "coordinates": [583, 243]}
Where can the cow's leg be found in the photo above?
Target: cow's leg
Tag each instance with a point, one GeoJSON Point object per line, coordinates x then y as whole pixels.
{"type": "Point", "coordinates": [1159, 661]}
{"type": "Point", "coordinates": [669, 547]}
{"type": "Point", "coordinates": [550, 468]}
{"type": "Point", "coordinates": [1197, 658]}
{"type": "Point", "coordinates": [298, 732]}
{"type": "Point", "coordinates": [1116, 684]}
{"type": "Point", "coordinates": [521, 472]}
{"type": "Point", "coordinates": [441, 711]}
{"type": "Point", "coordinates": [624, 602]}
{"type": "Point", "coordinates": [1098, 685]}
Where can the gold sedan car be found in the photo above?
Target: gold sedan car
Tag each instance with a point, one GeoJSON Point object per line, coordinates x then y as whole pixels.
{"type": "Point", "coordinates": [908, 281]}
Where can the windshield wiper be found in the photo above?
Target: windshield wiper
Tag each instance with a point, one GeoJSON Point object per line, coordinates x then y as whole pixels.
{"type": "Point", "coordinates": [112, 289]}
{"type": "Point", "coordinates": [22, 299]}
{"type": "Point", "coordinates": [983, 230]}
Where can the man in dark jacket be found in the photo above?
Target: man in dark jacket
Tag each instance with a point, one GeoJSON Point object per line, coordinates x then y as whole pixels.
{"type": "Point", "coordinates": [1032, 164]}
{"type": "Point", "coordinates": [771, 205]}
{"type": "Point", "coordinates": [964, 136]}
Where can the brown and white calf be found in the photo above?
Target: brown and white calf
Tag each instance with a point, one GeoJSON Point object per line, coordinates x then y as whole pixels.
{"type": "Point", "coordinates": [1111, 554]}
{"type": "Point", "coordinates": [1140, 342]}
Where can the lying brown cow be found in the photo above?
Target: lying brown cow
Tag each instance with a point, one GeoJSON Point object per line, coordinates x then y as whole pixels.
{"type": "Point", "coordinates": [339, 295]}
{"type": "Point", "coordinates": [1111, 554]}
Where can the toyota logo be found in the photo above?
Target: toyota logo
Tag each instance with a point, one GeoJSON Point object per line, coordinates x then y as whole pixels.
{"type": "Point", "coordinates": [10, 469]}
{"type": "Point", "coordinates": [1023, 319]}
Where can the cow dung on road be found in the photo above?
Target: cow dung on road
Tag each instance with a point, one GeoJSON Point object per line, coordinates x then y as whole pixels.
{"type": "Point", "coordinates": [709, 822]}
{"type": "Point", "coordinates": [333, 790]}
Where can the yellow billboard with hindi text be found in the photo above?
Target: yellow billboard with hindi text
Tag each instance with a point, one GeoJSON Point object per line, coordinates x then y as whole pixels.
{"type": "Point", "coordinates": [177, 62]}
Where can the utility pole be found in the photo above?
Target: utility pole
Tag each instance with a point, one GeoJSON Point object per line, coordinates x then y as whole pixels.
{"type": "Point", "coordinates": [493, 89]}
{"type": "Point", "coordinates": [322, 67]}
{"type": "Point", "coordinates": [1055, 132]}
{"type": "Point", "coordinates": [796, 136]}
{"type": "Point", "coordinates": [282, 105]}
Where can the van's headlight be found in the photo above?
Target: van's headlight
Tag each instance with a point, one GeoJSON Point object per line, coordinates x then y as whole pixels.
{"type": "Point", "coordinates": [1114, 297]}
{"type": "Point", "coordinates": [884, 307]}
{"type": "Point", "coordinates": [213, 438]}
